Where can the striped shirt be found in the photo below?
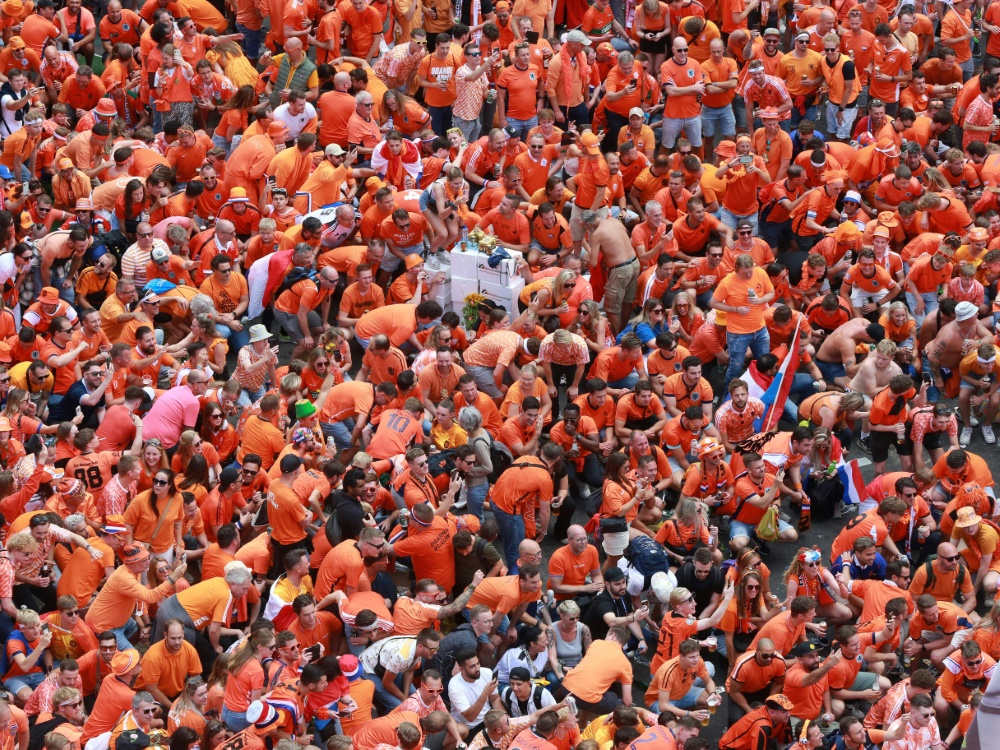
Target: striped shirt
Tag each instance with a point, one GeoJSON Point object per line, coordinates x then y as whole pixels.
{"type": "Point", "coordinates": [495, 348]}
{"type": "Point", "coordinates": [114, 498]}
{"type": "Point", "coordinates": [252, 381]}
{"type": "Point", "coordinates": [566, 355]}
{"type": "Point", "coordinates": [739, 425]}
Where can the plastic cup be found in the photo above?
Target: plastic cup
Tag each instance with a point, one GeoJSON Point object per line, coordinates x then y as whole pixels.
{"type": "Point", "coordinates": [147, 381]}
{"type": "Point", "coordinates": [712, 642]}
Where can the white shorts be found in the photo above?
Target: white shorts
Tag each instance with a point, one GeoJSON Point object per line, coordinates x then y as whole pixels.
{"type": "Point", "coordinates": [615, 543]}
{"type": "Point", "coordinates": [860, 297]}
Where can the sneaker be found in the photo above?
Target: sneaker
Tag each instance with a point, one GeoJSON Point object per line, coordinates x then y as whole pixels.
{"type": "Point", "coordinates": [988, 435]}
{"type": "Point", "coordinates": [973, 421]}
{"type": "Point", "coordinates": [864, 443]}
{"type": "Point", "coordinates": [966, 437]}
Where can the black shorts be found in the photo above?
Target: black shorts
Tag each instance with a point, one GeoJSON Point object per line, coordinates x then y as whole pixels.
{"type": "Point", "coordinates": [650, 47]}
{"type": "Point", "coordinates": [932, 441]}
{"type": "Point", "coordinates": [880, 442]}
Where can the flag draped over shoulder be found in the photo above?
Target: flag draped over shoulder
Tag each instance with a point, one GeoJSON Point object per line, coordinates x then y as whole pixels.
{"type": "Point", "coordinates": [854, 485]}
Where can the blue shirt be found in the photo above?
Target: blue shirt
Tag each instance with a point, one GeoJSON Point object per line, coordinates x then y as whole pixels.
{"type": "Point", "coordinates": [873, 572]}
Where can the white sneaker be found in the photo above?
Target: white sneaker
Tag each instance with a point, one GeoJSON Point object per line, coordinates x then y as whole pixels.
{"type": "Point", "coordinates": [966, 437]}
{"type": "Point", "coordinates": [988, 435]}
{"type": "Point", "coordinates": [973, 421]}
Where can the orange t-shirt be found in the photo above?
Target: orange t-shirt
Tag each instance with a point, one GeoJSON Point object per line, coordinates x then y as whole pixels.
{"type": "Point", "coordinates": [733, 290]}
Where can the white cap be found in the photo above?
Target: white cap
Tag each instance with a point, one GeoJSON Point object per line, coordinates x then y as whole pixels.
{"type": "Point", "coordinates": [636, 111]}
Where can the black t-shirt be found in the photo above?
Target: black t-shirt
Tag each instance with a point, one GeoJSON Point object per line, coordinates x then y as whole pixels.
{"type": "Point", "coordinates": [702, 590]}
{"type": "Point", "coordinates": [604, 604]}
{"type": "Point", "coordinates": [350, 514]}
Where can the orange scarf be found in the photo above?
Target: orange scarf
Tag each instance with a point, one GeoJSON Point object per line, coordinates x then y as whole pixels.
{"type": "Point", "coordinates": [567, 66]}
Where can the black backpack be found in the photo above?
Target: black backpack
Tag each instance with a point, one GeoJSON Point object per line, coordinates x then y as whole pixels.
{"type": "Point", "coordinates": [334, 534]}
{"type": "Point", "coordinates": [115, 242]}
{"type": "Point", "coordinates": [297, 274]}
{"type": "Point", "coordinates": [932, 578]}
{"type": "Point", "coordinates": [501, 458]}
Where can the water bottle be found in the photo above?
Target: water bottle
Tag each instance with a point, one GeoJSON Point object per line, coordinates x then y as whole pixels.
{"type": "Point", "coordinates": [391, 126]}
{"type": "Point", "coordinates": [465, 238]}
{"type": "Point", "coordinates": [831, 469]}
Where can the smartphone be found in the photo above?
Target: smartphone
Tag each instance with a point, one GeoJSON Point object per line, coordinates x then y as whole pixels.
{"type": "Point", "coordinates": [567, 138]}
{"type": "Point", "coordinates": [338, 357]}
{"type": "Point", "coordinates": [745, 160]}
{"type": "Point", "coordinates": [926, 377]}
{"type": "Point", "coordinates": [315, 652]}
{"type": "Point", "coordinates": [532, 37]}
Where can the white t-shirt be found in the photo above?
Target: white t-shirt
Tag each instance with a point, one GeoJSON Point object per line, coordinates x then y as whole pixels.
{"type": "Point", "coordinates": [463, 694]}
{"type": "Point", "coordinates": [295, 123]}
{"type": "Point", "coordinates": [10, 122]}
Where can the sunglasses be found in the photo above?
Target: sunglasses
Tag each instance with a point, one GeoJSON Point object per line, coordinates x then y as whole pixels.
{"type": "Point", "coordinates": [216, 416]}
{"type": "Point", "coordinates": [75, 704]}
{"type": "Point", "coordinates": [74, 613]}
{"type": "Point", "coordinates": [160, 482]}
{"type": "Point", "coordinates": [950, 559]}
{"type": "Point", "coordinates": [250, 473]}
{"type": "Point", "coordinates": [145, 234]}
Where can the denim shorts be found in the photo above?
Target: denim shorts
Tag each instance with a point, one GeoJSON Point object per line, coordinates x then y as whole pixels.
{"type": "Point", "coordinates": [33, 680]}
{"type": "Point", "coordinates": [738, 529]}
{"type": "Point", "coordinates": [718, 121]}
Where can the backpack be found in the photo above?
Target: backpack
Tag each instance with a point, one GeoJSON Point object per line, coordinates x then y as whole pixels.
{"type": "Point", "coordinates": [442, 462]}
{"type": "Point", "coordinates": [932, 578]}
{"type": "Point", "coordinates": [648, 557]}
{"type": "Point", "coordinates": [507, 697]}
{"type": "Point", "coordinates": [501, 458]}
{"type": "Point", "coordinates": [334, 534]}
{"type": "Point", "coordinates": [297, 274]}
{"type": "Point", "coordinates": [114, 242]}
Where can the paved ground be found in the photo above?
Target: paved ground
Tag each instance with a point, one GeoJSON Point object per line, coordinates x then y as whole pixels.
{"type": "Point", "coordinates": [821, 534]}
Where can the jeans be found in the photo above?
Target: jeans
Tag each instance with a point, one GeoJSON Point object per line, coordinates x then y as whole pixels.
{"type": "Point", "coordinates": [930, 305]}
{"type": "Point", "coordinates": [440, 118]}
{"type": "Point", "coordinates": [803, 385]}
{"type": "Point", "coordinates": [511, 534]}
{"type": "Point", "coordinates": [237, 339]}
{"type": "Point", "coordinates": [341, 432]}
{"type": "Point", "coordinates": [718, 121]}
{"type": "Point", "coordinates": [475, 497]}
{"type": "Point", "coordinates": [123, 633]}
{"type": "Point", "coordinates": [248, 398]}
{"type": "Point", "coordinates": [470, 128]}
{"type": "Point", "coordinates": [580, 114]}
{"type": "Point", "coordinates": [236, 721]}
{"type": "Point", "coordinates": [968, 69]}
{"type": "Point", "coordinates": [728, 218]}
{"type": "Point", "coordinates": [759, 343]}
{"type": "Point", "coordinates": [628, 381]}
{"type": "Point", "coordinates": [933, 392]}
{"type": "Point", "coordinates": [251, 40]}
{"type": "Point", "coordinates": [523, 125]}
{"type": "Point", "coordinates": [383, 697]}
{"type": "Point", "coordinates": [812, 112]}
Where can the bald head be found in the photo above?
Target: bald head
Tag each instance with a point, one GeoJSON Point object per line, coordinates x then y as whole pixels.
{"type": "Point", "coordinates": [947, 549]}
{"type": "Point", "coordinates": [342, 81]}
{"type": "Point", "coordinates": [226, 226]}
{"type": "Point", "coordinates": [529, 551]}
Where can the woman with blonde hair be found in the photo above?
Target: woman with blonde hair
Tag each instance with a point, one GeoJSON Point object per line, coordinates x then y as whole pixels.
{"type": "Point", "coordinates": [439, 336]}
{"type": "Point", "coordinates": [986, 632]}
{"type": "Point", "coordinates": [245, 682]}
{"type": "Point", "coordinates": [833, 411]}
{"type": "Point", "coordinates": [550, 295]}
{"type": "Point", "coordinates": [687, 531]}
{"type": "Point", "coordinates": [445, 204]}
{"type": "Point", "coordinates": [189, 707]}
{"type": "Point", "coordinates": [901, 328]}
{"type": "Point", "coordinates": [571, 637]}
{"type": "Point", "coordinates": [189, 445]}
{"type": "Point", "coordinates": [154, 458]}
{"type": "Point", "coordinates": [592, 327]}
{"type": "Point", "coordinates": [20, 412]}
{"type": "Point", "coordinates": [651, 29]}
{"type": "Point", "coordinates": [647, 324]}
{"type": "Point", "coordinates": [407, 116]}
{"type": "Point", "coordinates": [685, 318]}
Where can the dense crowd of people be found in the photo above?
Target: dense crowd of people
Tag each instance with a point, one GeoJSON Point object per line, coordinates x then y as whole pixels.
{"type": "Point", "coordinates": [282, 485]}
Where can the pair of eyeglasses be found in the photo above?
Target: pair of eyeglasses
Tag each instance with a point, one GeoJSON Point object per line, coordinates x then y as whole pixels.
{"type": "Point", "coordinates": [321, 363]}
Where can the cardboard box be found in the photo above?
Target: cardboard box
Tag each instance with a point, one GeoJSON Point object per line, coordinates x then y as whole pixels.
{"type": "Point", "coordinates": [504, 273]}
{"type": "Point", "coordinates": [466, 265]}
{"type": "Point", "coordinates": [504, 295]}
{"type": "Point", "coordinates": [462, 288]}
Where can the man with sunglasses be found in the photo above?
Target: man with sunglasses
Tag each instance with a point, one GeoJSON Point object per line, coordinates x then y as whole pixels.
{"type": "Point", "coordinates": [755, 675]}
{"type": "Point", "coordinates": [87, 394]}
{"type": "Point", "coordinates": [965, 670]}
{"type": "Point", "coordinates": [946, 578]}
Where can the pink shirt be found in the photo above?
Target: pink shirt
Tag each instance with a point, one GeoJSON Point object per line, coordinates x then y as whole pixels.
{"type": "Point", "coordinates": [173, 411]}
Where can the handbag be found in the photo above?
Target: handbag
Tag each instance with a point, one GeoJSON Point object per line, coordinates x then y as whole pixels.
{"type": "Point", "coordinates": [614, 525]}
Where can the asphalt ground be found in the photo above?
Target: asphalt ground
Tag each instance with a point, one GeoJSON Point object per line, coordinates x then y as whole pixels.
{"type": "Point", "coordinates": [820, 534]}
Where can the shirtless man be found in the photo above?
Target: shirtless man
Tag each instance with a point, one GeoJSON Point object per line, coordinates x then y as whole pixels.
{"type": "Point", "coordinates": [837, 358]}
{"type": "Point", "coordinates": [928, 332]}
{"type": "Point", "coordinates": [873, 376]}
{"type": "Point", "coordinates": [611, 238]}
{"type": "Point", "coordinates": [57, 249]}
{"type": "Point", "coordinates": [956, 339]}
